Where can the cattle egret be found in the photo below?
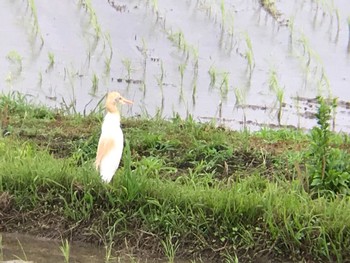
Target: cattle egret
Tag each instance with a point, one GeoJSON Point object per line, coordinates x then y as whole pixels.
{"type": "Point", "coordinates": [111, 143]}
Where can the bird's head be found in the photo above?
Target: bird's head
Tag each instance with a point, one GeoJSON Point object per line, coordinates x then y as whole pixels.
{"type": "Point", "coordinates": [113, 99]}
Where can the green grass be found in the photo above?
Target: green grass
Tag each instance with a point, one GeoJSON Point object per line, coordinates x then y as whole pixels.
{"type": "Point", "coordinates": [184, 189]}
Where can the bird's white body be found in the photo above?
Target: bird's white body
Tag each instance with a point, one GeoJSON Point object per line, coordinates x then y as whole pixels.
{"type": "Point", "coordinates": [112, 135]}
{"type": "Point", "coordinates": [111, 143]}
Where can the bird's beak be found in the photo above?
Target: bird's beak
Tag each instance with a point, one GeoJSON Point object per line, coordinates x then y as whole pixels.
{"type": "Point", "coordinates": [126, 101]}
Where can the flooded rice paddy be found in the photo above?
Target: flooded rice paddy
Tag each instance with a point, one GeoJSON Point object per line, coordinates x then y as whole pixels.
{"type": "Point", "coordinates": [232, 60]}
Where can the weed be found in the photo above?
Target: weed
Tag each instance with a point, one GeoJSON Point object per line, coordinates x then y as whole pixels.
{"type": "Point", "coordinates": [65, 249]}
{"type": "Point", "coordinates": [170, 248]}
{"type": "Point", "coordinates": [328, 166]}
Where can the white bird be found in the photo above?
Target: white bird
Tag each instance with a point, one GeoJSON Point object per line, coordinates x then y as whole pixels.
{"type": "Point", "coordinates": [111, 143]}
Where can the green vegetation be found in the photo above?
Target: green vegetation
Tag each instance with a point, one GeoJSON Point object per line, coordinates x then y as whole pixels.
{"type": "Point", "coordinates": [16, 59]}
{"type": "Point", "coordinates": [95, 81]}
{"type": "Point", "coordinates": [184, 189]}
{"type": "Point", "coordinates": [65, 249]}
{"type": "Point", "coordinates": [51, 59]}
{"type": "Point", "coordinates": [329, 165]}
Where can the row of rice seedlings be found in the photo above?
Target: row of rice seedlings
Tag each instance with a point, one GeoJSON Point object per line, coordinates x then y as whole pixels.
{"type": "Point", "coordinates": [227, 24]}
{"type": "Point", "coordinates": [278, 90]}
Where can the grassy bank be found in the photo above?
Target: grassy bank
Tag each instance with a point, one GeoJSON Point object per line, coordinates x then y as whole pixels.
{"type": "Point", "coordinates": [184, 189]}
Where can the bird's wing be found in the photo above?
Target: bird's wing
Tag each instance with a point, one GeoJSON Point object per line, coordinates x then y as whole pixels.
{"type": "Point", "coordinates": [104, 147]}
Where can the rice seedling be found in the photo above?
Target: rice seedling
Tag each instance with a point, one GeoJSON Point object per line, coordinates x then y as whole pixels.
{"type": "Point", "coordinates": [95, 81]}
{"type": "Point", "coordinates": [249, 53]}
{"type": "Point", "coordinates": [155, 6]}
{"type": "Point", "coordinates": [16, 59]}
{"type": "Point", "coordinates": [224, 87]}
{"type": "Point", "coordinates": [194, 91]}
{"type": "Point", "coordinates": [36, 30]}
{"type": "Point", "coordinates": [107, 62]}
{"type": "Point", "coordinates": [40, 81]}
{"type": "Point", "coordinates": [182, 68]}
{"type": "Point", "coordinates": [65, 249]}
{"type": "Point", "coordinates": [178, 39]}
{"type": "Point", "coordinates": [240, 97]}
{"type": "Point", "coordinates": [32, 7]}
{"type": "Point", "coordinates": [107, 37]}
{"type": "Point", "coordinates": [280, 100]}
{"type": "Point", "coordinates": [51, 59]}
{"type": "Point", "coordinates": [273, 80]}
{"type": "Point", "coordinates": [93, 18]}
{"type": "Point", "coordinates": [231, 30]}
{"type": "Point", "coordinates": [338, 20]}
{"type": "Point", "coordinates": [278, 90]}
{"type": "Point", "coordinates": [223, 13]}
{"type": "Point", "coordinates": [212, 73]}
{"type": "Point", "coordinates": [195, 55]}
{"type": "Point", "coordinates": [128, 66]}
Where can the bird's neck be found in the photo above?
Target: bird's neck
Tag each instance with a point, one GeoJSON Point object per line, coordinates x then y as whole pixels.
{"type": "Point", "coordinates": [115, 116]}
{"type": "Point", "coordinates": [112, 108]}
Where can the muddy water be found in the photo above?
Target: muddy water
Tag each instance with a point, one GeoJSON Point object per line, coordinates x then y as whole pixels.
{"type": "Point", "coordinates": [149, 41]}
{"type": "Point", "coordinates": [40, 250]}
